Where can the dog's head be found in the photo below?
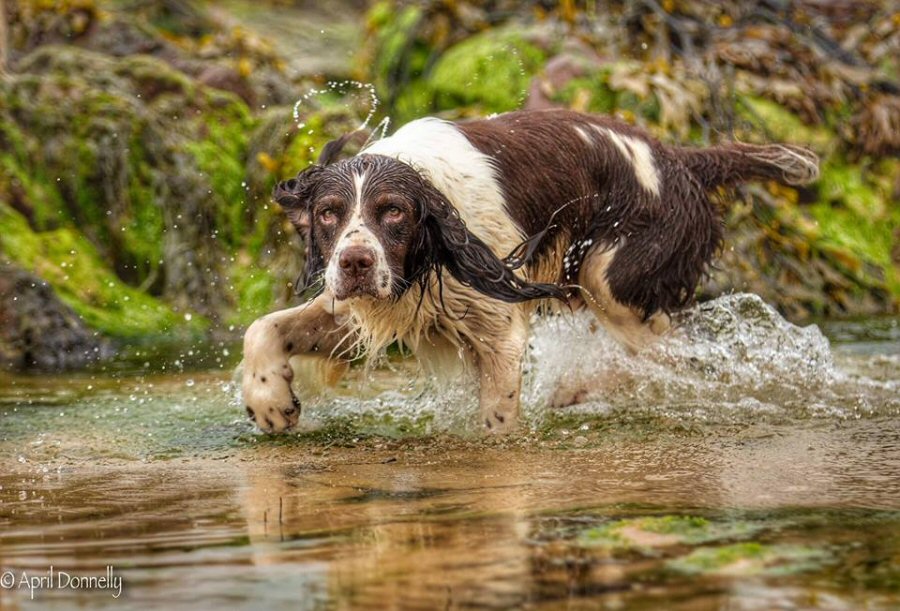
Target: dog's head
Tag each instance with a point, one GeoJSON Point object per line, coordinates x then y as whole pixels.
{"type": "Point", "coordinates": [376, 227]}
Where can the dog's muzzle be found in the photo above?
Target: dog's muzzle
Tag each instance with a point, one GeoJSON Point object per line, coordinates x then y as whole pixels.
{"type": "Point", "coordinates": [356, 274]}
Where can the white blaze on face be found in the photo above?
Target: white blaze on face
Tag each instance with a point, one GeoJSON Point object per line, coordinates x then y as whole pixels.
{"type": "Point", "coordinates": [356, 233]}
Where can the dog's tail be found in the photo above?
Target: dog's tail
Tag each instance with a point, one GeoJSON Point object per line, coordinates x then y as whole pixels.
{"type": "Point", "coordinates": [730, 164]}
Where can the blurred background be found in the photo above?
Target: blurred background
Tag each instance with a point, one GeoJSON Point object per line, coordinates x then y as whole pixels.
{"type": "Point", "coordinates": [139, 141]}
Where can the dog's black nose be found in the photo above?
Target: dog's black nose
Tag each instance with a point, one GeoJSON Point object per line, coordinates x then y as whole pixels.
{"type": "Point", "coordinates": [357, 260]}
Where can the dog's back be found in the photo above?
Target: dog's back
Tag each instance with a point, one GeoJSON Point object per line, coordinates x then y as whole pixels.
{"type": "Point", "coordinates": [572, 183]}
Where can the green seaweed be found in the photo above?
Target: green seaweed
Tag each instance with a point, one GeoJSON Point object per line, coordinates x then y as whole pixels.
{"type": "Point", "coordinates": [601, 97]}
{"type": "Point", "coordinates": [750, 558]}
{"type": "Point", "coordinates": [780, 124]}
{"type": "Point", "coordinates": [491, 71]}
{"type": "Point", "coordinates": [854, 213]}
{"type": "Point", "coordinates": [647, 533]}
{"type": "Point", "coordinates": [398, 55]}
{"type": "Point", "coordinates": [74, 268]}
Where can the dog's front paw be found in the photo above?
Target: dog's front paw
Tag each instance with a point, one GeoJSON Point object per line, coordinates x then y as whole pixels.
{"type": "Point", "coordinates": [268, 397]}
{"type": "Point", "coordinates": [498, 422]}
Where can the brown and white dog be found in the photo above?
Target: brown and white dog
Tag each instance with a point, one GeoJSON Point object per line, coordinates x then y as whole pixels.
{"type": "Point", "coordinates": [445, 235]}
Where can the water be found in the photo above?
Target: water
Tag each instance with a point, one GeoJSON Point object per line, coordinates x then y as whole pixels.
{"type": "Point", "coordinates": [745, 463]}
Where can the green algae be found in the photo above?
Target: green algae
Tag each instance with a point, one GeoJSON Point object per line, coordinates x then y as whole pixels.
{"type": "Point", "coordinates": [649, 533]}
{"type": "Point", "coordinates": [77, 272]}
{"type": "Point", "coordinates": [750, 558]}
{"type": "Point", "coordinates": [490, 71]}
{"type": "Point", "coordinates": [418, 72]}
{"type": "Point", "coordinates": [780, 124]}
{"type": "Point", "coordinates": [399, 57]}
{"type": "Point", "coordinates": [255, 291]}
{"type": "Point", "coordinates": [600, 97]}
{"type": "Point", "coordinates": [854, 213]}
{"type": "Point", "coordinates": [219, 156]}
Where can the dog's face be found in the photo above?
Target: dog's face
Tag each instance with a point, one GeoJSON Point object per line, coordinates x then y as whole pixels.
{"type": "Point", "coordinates": [374, 227]}
{"type": "Point", "coordinates": [364, 215]}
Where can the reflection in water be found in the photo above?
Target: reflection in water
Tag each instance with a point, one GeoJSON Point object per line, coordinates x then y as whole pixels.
{"type": "Point", "coordinates": [753, 429]}
{"type": "Point", "coordinates": [452, 525]}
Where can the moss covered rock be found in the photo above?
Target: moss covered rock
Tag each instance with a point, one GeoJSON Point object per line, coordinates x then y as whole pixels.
{"type": "Point", "coordinates": [38, 331]}
{"type": "Point", "coordinates": [491, 72]}
{"type": "Point", "coordinates": [653, 532]}
{"type": "Point", "coordinates": [142, 159]}
{"type": "Point", "coordinates": [83, 280]}
{"type": "Point", "coordinates": [746, 559]}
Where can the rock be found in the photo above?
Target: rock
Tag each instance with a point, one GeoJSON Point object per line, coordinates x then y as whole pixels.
{"type": "Point", "coordinates": [228, 79]}
{"type": "Point", "coordinates": [575, 60]}
{"type": "Point", "coordinates": [38, 330]}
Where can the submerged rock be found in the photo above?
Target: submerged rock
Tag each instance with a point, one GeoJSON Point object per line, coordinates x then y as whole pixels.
{"type": "Point", "coordinates": [38, 330]}
{"type": "Point", "coordinates": [649, 533]}
{"type": "Point", "coordinates": [751, 558]}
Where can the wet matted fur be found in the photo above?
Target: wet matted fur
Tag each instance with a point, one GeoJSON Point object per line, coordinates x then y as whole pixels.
{"type": "Point", "coordinates": [444, 236]}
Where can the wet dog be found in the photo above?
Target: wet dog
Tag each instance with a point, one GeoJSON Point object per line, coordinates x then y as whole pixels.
{"type": "Point", "coordinates": [446, 236]}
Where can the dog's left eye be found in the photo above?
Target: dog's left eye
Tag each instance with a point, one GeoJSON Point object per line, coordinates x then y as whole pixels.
{"type": "Point", "coordinates": [328, 216]}
{"type": "Point", "coordinates": [392, 213]}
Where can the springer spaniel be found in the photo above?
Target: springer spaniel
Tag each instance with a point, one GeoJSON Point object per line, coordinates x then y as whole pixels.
{"type": "Point", "coordinates": [445, 236]}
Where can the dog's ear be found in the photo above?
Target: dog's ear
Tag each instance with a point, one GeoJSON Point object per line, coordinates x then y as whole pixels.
{"type": "Point", "coordinates": [294, 196]}
{"type": "Point", "coordinates": [334, 148]}
{"type": "Point", "coordinates": [444, 241]}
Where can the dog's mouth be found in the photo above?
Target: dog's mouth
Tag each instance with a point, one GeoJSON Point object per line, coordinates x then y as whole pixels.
{"type": "Point", "coordinates": [375, 284]}
{"type": "Point", "coordinates": [350, 288]}
{"type": "Point", "coordinates": [345, 292]}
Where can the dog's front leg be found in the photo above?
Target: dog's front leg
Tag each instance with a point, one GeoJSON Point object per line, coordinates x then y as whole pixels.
{"type": "Point", "coordinates": [312, 328]}
{"type": "Point", "coordinates": [500, 377]}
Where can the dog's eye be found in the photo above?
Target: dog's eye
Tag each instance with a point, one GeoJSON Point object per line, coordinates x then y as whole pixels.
{"type": "Point", "coordinates": [392, 213]}
{"type": "Point", "coordinates": [327, 216]}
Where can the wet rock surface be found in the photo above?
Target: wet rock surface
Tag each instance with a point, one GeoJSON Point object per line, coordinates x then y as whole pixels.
{"type": "Point", "coordinates": [40, 332]}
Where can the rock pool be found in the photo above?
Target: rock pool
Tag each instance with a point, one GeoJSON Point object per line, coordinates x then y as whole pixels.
{"type": "Point", "coordinates": [747, 463]}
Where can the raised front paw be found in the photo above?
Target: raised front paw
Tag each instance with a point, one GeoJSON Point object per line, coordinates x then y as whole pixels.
{"type": "Point", "coordinates": [268, 397]}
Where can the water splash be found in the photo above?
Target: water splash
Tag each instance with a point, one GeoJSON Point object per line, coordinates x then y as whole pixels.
{"type": "Point", "coordinates": [342, 86]}
{"type": "Point", "coordinates": [379, 131]}
{"type": "Point", "coordinates": [730, 360]}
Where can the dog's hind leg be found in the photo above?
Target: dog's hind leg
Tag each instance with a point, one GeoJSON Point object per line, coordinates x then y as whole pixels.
{"type": "Point", "coordinates": [315, 327]}
{"type": "Point", "coordinates": [623, 322]}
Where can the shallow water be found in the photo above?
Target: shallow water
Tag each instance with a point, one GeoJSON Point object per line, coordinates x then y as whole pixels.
{"type": "Point", "coordinates": [744, 463]}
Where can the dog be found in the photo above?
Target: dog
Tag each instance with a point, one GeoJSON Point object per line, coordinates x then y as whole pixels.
{"type": "Point", "coordinates": [446, 236]}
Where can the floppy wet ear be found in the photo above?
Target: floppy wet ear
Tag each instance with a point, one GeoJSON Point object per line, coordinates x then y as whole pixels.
{"type": "Point", "coordinates": [312, 278]}
{"type": "Point", "coordinates": [294, 196]}
{"type": "Point", "coordinates": [445, 242]}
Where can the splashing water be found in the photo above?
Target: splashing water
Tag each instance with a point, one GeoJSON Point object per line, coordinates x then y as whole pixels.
{"type": "Point", "coordinates": [340, 86]}
{"type": "Point", "coordinates": [730, 360]}
{"type": "Point", "coordinates": [379, 131]}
